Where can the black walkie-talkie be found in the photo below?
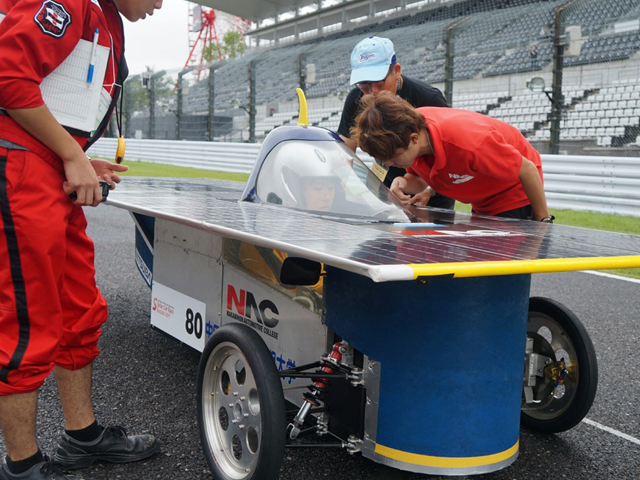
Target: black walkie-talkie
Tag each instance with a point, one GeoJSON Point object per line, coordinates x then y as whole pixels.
{"type": "Point", "coordinates": [104, 186]}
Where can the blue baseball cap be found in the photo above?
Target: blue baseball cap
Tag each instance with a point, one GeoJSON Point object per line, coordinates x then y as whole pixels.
{"type": "Point", "coordinates": [371, 58]}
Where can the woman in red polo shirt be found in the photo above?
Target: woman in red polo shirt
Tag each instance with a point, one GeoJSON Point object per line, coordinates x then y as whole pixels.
{"type": "Point", "coordinates": [461, 154]}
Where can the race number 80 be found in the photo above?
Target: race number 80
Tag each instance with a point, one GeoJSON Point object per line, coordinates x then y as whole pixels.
{"type": "Point", "coordinates": [193, 323]}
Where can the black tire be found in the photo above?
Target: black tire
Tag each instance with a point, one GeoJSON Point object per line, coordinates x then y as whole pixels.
{"type": "Point", "coordinates": [241, 407]}
{"type": "Point", "coordinates": [557, 333]}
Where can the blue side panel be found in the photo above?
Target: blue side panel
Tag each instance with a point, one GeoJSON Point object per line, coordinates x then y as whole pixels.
{"type": "Point", "coordinates": [147, 225]}
{"type": "Point", "coordinates": [452, 357]}
{"type": "Point", "coordinates": [145, 229]}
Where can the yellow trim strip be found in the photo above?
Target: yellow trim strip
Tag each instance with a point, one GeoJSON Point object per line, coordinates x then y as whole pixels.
{"type": "Point", "coordinates": [480, 269]}
{"type": "Point", "coordinates": [446, 462]}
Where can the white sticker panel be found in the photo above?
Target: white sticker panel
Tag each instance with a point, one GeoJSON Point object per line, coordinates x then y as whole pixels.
{"type": "Point", "coordinates": [179, 315]}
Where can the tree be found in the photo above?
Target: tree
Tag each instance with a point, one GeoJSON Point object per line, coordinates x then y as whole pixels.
{"type": "Point", "coordinates": [233, 44]}
{"type": "Point", "coordinates": [139, 93]}
{"type": "Point", "coordinates": [212, 52]}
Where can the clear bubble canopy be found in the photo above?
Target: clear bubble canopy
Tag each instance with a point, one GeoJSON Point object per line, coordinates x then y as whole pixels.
{"type": "Point", "coordinates": [322, 176]}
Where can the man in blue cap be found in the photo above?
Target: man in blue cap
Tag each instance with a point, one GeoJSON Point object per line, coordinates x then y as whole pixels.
{"type": "Point", "coordinates": [374, 68]}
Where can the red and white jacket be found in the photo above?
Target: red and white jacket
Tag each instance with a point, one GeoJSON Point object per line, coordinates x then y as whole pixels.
{"type": "Point", "coordinates": [35, 37]}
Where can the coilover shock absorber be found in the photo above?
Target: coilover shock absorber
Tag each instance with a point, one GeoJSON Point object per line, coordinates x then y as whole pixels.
{"type": "Point", "coordinates": [314, 396]}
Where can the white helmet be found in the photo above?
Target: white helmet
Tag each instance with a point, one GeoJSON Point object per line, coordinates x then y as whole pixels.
{"type": "Point", "coordinates": [281, 177]}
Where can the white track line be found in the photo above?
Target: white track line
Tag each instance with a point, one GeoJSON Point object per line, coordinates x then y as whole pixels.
{"type": "Point", "coordinates": [591, 422]}
{"type": "Point", "coordinates": [611, 430]}
{"type": "Point", "coordinates": [617, 277]}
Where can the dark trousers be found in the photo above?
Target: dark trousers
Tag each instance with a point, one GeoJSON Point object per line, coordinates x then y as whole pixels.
{"type": "Point", "coordinates": [525, 213]}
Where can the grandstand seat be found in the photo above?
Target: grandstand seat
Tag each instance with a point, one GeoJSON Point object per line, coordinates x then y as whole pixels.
{"type": "Point", "coordinates": [494, 43]}
{"type": "Point", "coordinates": [604, 141]}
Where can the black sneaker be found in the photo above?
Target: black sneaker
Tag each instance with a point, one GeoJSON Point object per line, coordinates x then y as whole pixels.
{"type": "Point", "coordinates": [113, 445]}
{"type": "Point", "coordinates": [40, 471]}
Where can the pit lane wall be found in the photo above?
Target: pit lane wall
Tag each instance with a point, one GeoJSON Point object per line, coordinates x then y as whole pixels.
{"type": "Point", "coordinates": [577, 182]}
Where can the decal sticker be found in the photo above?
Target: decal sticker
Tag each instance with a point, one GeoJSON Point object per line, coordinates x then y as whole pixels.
{"type": "Point", "coordinates": [243, 306]}
{"type": "Point", "coordinates": [460, 178]}
{"type": "Point", "coordinates": [52, 18]}
{"type": "Point", "coordinates": [180, 316]}
{"type": "Point", "coordinates": [468, 233]}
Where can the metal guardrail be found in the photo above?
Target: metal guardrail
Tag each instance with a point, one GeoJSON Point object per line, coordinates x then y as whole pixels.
{"type": "Point", "coordinates": [599, 184]}
{"type": "Point", "coordinates": [591, 183]}
{"type": "Point", "coordinates": [220, 156]}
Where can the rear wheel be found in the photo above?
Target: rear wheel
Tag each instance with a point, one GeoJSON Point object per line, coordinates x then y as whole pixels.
{"type": "Point", "coordinates": [561, 372]}
{"type": "Point", "coordinates": [241, 407]}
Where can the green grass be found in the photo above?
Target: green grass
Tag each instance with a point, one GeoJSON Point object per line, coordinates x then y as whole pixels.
{"type": "Point", "coordinates": [602, 221]}
{"type": "Point", "coordinates": [574, 218]}
{"type": "Point", "coordinates": [146, 169]}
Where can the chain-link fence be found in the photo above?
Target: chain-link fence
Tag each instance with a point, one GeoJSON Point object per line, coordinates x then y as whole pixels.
{"type": "Point", "coordinates": [565, 73]}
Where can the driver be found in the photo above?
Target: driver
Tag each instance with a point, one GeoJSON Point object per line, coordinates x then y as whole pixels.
{"type": "Point", "coordinates": [318, 193]}
{"type": "Point", "coordinates": [302, 175]}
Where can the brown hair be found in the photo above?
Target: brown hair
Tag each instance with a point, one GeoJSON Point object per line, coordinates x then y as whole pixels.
{"type": "Point", "coordinates": [384, 124]}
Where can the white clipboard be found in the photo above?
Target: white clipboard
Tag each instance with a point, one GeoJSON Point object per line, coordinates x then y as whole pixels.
{"type": "Point", "coordinates": [73, 101]}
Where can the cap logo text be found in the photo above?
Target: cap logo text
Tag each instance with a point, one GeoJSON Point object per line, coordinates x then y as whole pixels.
{"type": "Point", "coordinates": [365, 57]}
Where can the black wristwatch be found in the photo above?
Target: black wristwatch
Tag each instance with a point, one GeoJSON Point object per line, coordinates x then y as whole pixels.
{"type": "Point", "coordinates": [549, 219]}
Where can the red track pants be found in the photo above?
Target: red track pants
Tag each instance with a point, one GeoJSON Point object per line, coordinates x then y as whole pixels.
{"type": "Point", "coordinates": [50, 307]}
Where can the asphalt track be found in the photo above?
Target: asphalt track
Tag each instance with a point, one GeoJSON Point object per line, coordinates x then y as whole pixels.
{"type": "Point", "coordinates": [145, 382]}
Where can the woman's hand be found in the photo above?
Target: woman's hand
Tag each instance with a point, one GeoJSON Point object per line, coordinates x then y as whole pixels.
{"type": "Point", "coordinates": [398, 187]}
{"type": "Point", "coordinates": [421, 199]}
{"type": "Point", "coordinates": [411, 190]}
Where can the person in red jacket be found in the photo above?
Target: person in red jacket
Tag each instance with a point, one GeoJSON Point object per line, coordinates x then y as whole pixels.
{"type": "Point", "coordinates": [464, 155]}
{"type": "Point", "coordinates": [51, 310]}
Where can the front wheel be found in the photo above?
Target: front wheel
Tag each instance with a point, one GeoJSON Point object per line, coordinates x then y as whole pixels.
{"type": "Point", "coordinates": [561, 370]}
{"type": "Point", "coordinates": [241, 407]}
